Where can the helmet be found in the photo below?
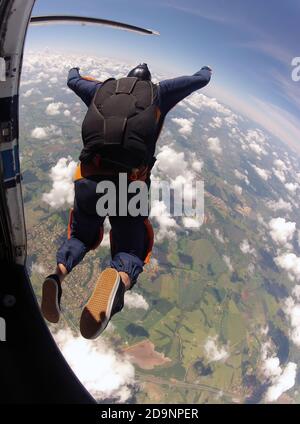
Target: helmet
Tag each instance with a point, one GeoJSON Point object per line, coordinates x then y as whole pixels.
{"type": "Point", "coordinates": [141, 72]}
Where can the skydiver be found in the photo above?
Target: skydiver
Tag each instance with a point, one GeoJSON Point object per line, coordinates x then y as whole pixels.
{"type": "Point", "coordinates": [119, 132]}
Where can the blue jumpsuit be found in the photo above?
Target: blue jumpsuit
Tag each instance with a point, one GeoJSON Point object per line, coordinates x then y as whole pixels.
{"type": "Point", "coordinates": [128, 233]}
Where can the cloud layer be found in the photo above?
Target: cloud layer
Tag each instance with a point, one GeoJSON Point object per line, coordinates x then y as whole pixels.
{"type": "Point", "coordinates": [213, 351]}
{"type": "Point", "coordinates": [279, 379]}
{"type": "Point", "coordinates": [105, 373]}
{"type": "Point", "coordinates": [62, 192]}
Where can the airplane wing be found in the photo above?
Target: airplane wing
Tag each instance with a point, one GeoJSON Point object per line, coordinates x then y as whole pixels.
{"type": "Point", "coordinates": [66, 19]}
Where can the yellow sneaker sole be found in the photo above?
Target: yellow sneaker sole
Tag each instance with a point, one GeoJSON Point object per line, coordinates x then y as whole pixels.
{"type": "Point", "coordinates": [96, 313]}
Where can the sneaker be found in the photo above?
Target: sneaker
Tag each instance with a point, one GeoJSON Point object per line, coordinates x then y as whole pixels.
{"type": "Point", "coordinates": [51, 298]}
{"type": "Point", "coordinates": [106, 300]}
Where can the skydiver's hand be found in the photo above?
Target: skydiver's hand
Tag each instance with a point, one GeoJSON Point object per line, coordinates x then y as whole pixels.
{"type": "Point", "coordinates": [208, 68]}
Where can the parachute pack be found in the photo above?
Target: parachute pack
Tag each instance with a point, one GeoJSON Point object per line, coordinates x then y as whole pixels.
{"type": "Point", "coordinates": [120, 123]}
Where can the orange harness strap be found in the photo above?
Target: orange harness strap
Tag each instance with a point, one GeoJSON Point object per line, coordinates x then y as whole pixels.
{"type": "Point", "coordinates": [70, 223]}
{"type": "Point", "coordinates": [150, 234]}
{"type": "Point", "coordinates": [89, 78]}
{"type": "Point", "coordinates": [137, 174]}
{"type": "Point", "coordinates": [78, 174]}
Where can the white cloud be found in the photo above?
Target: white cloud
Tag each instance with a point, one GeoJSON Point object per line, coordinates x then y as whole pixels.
{"type": "Point", "coordinates": [30, 82]}
{"type": "Point", "coordinates": [292, 310]}
{"type": "Point", "coordinates": [279, 205]}
{"type": "Point", "coordinates": [45, 132]}
{"type": "Point", "coordinates": [280, 380]}
{"type": "Point", "coordinates": [54, 108]}
{"type": "Point", "coordinates": [272, 367]}
{"type": "Point", "coordinates": [214, 145]}
{"type": "Point", "coordinates": [256, 136]}
{"type": "Point", "coordinates": [172, 168]}
{"type": "Point", "coordinates": [188, 109]}
{"type": "Point", "coordinates": [241, 176]}
{"type": "Point", "coordinates": [135, 301]}
{"type": "Point", "coordinates": [53, 80]}
{"type": "Point", "coordinates": [227, 261]}
{"type": "Point", "coordinates": [278, 121]}
{"type": "Point", "coordinates": [256, 148]}
{"type": "Point", "coordinates": [62, 183]}
{"type": "Point", "coordinates": [200, 101]}
{"type": "Point", "coordinates": [39, 133]}
{"type": "Point", "coordinates": [255, 140]}
{"type": "Point", "coordinates": [279, 164]}
{"type": "Point", "coordinates": [233, 132]}
{"type": "Point", "coordinates": [77, 121]}
{"type": "Point", "coordinates": [185, 125]}
{"type": "Point", "coordinates": [170, 162]}
{"type": "Point", "coordinates": [54, 130]}
{"type": "Point", "coordinates": [290, 263]}
{"type": "Point", "coordinates": [263, 173]}
{"type": "Point", "coordinates": [106, 238]}
{"type": "Point", "coordinates": [238, 189]}
{"type": "Point", "coordinates": [246, 248]}
{"type": "Point", "coordinates": [216, 122]}
{"type": "Point", "coordinates": [213, 352]}
{"type": "Point", "coordinates": [166, 223]}
{"type": "Point", "coordinates": [261, 220]}
{"type": "Point", "coordinates": [197, 165]}
{"type": "Point", "coordinates": [291, 187]}
{"type": "Point", "coordinates": [297, 176]}
{"type": "Point", "coordinates": [231, 120]}
{"type": "Point", "coordinates": [28, 93]}
{"type": "Point", "coordinates": [189, 222]}
{"type": "Point", "coordinates": [42, 75]}
{"type": "Point", "coordinates": [67, 113]}
{"type": "Point", "coordinates": [282, 231]}
{"type": "Point", "coordinates": [279, 174]}
{"type": "Point", "coordinates": [283, 383]}
{"type": "Point", "coordinates": [296, 292]}
{"type": "Point", "coordinates": [105, 373]}
{"type": "Point", "coordinates": [219, 236]}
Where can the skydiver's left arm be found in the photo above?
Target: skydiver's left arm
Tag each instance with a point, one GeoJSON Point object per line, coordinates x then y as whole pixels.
{"type": "Point", "coordinates": [84, 87]}
{"type": "Point", "coordinates": [172, 91]}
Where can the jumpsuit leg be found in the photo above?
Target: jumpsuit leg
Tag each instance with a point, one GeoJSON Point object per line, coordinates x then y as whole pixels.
{"type": "Point", "coordinates": [85, 228]}
{"type": "Point", "coordinates": [129, 245]}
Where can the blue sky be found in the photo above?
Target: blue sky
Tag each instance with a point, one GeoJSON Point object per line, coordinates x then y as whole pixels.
{"type": "Point", "coordinates": [250, 46]}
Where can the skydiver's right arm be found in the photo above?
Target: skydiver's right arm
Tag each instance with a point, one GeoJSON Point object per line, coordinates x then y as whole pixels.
{"type": "Point", "coordinates": [172, 91]}
{"type": "Point", "coordinates": [84, 87]}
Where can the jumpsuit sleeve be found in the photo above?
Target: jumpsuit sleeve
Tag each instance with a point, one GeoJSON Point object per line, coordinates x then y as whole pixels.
{"type": "Point", "coordinates": [172, 91]}
{"type": "Point", "coordinates": [85, 88]}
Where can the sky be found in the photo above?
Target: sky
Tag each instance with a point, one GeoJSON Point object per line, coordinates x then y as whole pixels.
{"type": "Point", "coordinates": [249, 45]}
